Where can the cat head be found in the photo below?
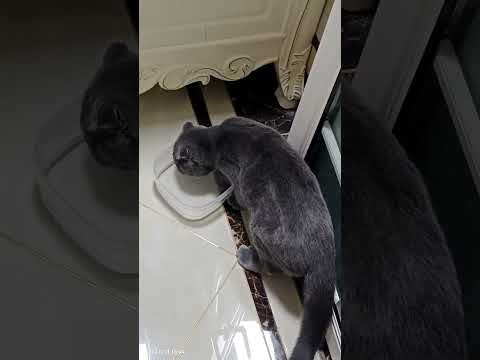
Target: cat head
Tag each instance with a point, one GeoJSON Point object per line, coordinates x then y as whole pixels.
{"type": "Point", "coordinates": [109, 114]}
{"type": "Point", "coordinates": [192, 152]}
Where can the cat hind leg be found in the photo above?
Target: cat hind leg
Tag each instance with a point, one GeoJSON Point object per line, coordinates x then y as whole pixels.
{"type": "Point", "coordinates": [248, 259]}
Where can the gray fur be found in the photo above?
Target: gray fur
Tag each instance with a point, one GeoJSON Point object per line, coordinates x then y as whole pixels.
{"type": "Point", "coordinates": [109, 116]}
{"type": "Point", "coordinates": [401, 295]}
{"type": "Point", "coordinates": [291, 226]}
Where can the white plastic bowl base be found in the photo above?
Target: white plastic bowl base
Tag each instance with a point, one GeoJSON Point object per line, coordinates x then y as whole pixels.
{"type": "Point", "coordinates": [193, 198]}
{"type": "Point", "coordinates": [93, 204]}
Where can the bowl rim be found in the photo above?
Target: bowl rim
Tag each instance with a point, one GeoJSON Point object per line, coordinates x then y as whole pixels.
{"type": "Point", "coordinates": [206, 209]}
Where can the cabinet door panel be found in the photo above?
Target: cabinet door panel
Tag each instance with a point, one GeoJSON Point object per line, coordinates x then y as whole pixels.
{"type": "Point", "coordinates": [168, 22]}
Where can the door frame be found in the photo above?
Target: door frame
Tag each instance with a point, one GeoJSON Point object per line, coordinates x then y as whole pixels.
{"type": "Point", "coordinates": [320, 83]}
{"type": "Point", "coordinates": [396, 43]}
{"type": "Point", "coordinates": [319, 89]}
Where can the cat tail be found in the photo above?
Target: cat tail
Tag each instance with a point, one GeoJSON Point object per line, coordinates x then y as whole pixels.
{"type": "Point", "coordinates": [318, 301]}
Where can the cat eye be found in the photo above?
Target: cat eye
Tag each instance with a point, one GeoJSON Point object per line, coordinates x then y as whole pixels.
{"type": "Point", "coordinates": [185, 154]}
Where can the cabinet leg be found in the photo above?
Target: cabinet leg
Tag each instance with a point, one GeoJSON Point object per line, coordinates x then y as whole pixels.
{"type": "Point", "coordinates": [283, 101]}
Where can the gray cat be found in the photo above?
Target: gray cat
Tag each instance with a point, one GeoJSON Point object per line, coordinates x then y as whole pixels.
{"type": "Point", "coordinates": [401, 295]}
{"type": "Point", "coordinates": [289, 220]}
{"type": "Point", "coordinates": [109, 116]}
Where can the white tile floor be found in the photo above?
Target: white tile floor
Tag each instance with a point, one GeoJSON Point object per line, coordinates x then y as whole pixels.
{"type": "Point", "coordinates": [195, 302]}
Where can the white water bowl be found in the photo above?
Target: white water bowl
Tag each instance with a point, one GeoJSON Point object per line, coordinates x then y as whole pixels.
{"type": "Point", "coordinates": [93, 204]}
{"type": "Point", "coordinates": [192, 197]}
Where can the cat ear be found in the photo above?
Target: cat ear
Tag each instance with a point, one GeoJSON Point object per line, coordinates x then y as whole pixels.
{"type": "Point", "coordinates": [187, 126]}
{"type": "Point", "coordinates": [114, 52]}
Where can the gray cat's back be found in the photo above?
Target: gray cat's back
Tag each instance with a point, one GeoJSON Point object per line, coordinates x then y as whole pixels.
{"type": "Point", "coordinates": [286, 203]}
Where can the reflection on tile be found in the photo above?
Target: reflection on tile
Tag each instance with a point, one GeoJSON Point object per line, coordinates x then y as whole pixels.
{"type": "Point", "coordinates": [275, 347]}
{"type": "Point", "coordinates": [286, 308]}
{"type": "Point", "coordinates": [230, 328]}
{"type": "Point", "coordinates": [179, 275]}
{"type": "Point", "coordinates": [214, 228]}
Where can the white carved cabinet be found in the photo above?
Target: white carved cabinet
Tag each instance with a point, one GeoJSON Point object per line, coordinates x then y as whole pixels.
{"type": "Point", "coordinates": [183, 41]}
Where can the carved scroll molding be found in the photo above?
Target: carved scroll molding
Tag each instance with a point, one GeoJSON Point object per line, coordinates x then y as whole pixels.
{"type": "Point", "coordinates": [291, 76]}
{"type": "Point", "coordinates": [176, 77]}
{"type": "Point", "coordinates": [301, 26]}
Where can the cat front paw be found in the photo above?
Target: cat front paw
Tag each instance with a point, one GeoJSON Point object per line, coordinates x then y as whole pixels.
{"type": "Point", "coordinates": [247, 257]}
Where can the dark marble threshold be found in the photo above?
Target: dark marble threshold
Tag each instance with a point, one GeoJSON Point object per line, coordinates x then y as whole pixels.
{"type": "Point", "coordinates": [255, 283]}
